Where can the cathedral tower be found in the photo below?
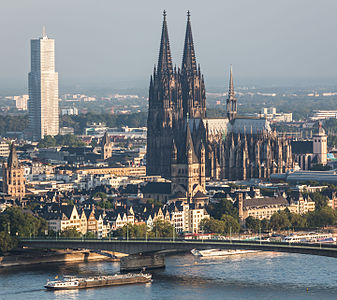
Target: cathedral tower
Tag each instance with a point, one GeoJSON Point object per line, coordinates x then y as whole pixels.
{"type": "Point", "coordinates": [165, 109]}
{"type": "Point", "coordinates": [231, 102]}
{"type": "Point", "coordinates": [193, 86]}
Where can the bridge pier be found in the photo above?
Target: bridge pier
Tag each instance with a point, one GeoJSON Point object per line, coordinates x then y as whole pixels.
{"type": "Point", "coordinates": [136, 262]}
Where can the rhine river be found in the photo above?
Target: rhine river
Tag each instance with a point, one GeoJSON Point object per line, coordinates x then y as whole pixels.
{"type": "Point", "coordinates": [260, 275]}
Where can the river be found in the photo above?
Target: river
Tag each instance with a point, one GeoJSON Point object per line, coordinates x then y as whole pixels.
{"type": "Point", "coordinates": [252, 276]}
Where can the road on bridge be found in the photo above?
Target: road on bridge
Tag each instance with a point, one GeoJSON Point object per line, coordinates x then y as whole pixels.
{"type": "Point", "coordinates": [134, 246]}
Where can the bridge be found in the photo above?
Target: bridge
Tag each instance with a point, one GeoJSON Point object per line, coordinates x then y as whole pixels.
{"type": "Point", "coordinates": [136, 246]}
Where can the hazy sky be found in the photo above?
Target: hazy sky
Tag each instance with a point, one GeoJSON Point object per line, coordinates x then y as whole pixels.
{"type": "Point", "coordinates": [106, 42]}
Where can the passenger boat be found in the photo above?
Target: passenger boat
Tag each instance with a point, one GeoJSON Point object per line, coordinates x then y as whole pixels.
{"type": "Point", "coordinates": [219, 252]}
{"type": "Point", "coordinates": [311, 237]}
{"type": "Point", "coordinates": [72, 282]}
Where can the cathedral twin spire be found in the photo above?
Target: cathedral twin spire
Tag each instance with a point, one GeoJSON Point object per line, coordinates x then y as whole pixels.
{"type": "Point", "coordinates": [182, 90]}
{"type": "Point", "coordinates": [165, 59]}
{"type": "Point", "coordinates": [189, 60]}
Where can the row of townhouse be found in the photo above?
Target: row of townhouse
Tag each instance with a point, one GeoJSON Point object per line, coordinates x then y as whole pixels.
{"type": "Point", "coordinates": [62, 217]}
{"type": "Point", "coordinates": [184, 217]}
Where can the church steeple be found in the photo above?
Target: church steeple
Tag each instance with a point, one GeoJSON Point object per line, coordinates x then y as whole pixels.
{"type": "Point", "coordinates": [189, 60]}
{"type": "Point", "coordinates": [165, 59]}
{"type": "Point", "coordinates": [13, 161]}
{"type": "Point", "coordinates": [231, 102]}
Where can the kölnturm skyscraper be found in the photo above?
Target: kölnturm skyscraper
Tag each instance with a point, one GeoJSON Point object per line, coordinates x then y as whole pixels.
{"type": "Point", "coordinates": [43, 89]}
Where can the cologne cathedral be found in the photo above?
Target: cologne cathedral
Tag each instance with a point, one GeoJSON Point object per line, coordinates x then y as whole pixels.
{"type": "Point", "coordinates": [187, 147]}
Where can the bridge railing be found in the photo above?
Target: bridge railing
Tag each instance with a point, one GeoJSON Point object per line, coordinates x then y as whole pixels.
{"type": "Point", "coordinates": [178, 240]}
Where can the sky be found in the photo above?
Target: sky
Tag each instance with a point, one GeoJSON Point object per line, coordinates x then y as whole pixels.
{"type": "Point", "coordinates": [109, 43]}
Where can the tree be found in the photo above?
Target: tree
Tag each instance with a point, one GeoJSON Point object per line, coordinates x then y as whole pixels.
{"type": "Point", "coordinates": [47, 142]}
{"type": "Point", "coordinates": [154, 202]}
{"type": "Point", "coordinates": [17, 222]}
{"type": "Point", "coordinates": [298, 221]}
{"type": "Point", "coordinates": [61, 140]}
{"type": "Point", "coordinates": [132, 231]}
{"type": "Point", "coordinates": [224, 207]}
{"type": "Point", "coordinates": [71, 232]}
{"type": "Point", "coordinates": [100, 195]}
{"type": "Point", "coordinates": [231, 225]}
{"type": "Point", "coordinates": [265, 225]}
{"type": "Point", "coordinates": [7, 242]}
{"type": "Point", "coordinates": [253, 224]}
{"type": "Point", "coordinates": [322, 217]}
{"type": "Point", "coordinates": [212, 225]}
{"type": "Point", "coordinates": [90, 235]}
{"type": "Point", "coordinates": [280, 220]}
{"type": "Point", "coordinates": [162, 229]}
{"type": "Point", "coordinates": [319, 199]}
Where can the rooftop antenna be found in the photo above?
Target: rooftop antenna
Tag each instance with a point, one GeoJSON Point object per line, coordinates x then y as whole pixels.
{"type": "Point", "coordinates": [44, 31]}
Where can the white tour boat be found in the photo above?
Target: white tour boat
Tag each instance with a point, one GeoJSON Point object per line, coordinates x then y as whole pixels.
{"type": "Point", "coordinates": [219, 252]}
{"type": "Point", "coordinates": [311, 237]}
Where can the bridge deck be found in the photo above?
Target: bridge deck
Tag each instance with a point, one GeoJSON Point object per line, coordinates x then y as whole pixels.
{"type": "Point", "coordinates": [132, 246]}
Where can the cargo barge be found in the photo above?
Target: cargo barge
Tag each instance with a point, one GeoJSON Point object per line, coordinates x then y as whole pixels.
{"type": "Point", "coordinates": [72, 282]}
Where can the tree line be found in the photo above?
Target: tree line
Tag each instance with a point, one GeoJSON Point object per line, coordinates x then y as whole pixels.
{"type": "Point", "coordinates": [14, 223]}
{"type": "Point", "coordinates": [225, 218]}
{"type": "Point", "coordinates": [61, 140]}
{"type": "Point", "coordinates": [80, 122]}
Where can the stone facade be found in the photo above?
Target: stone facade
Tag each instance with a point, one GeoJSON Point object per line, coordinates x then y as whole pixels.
{"type": "Point", "coordinates": [185, 146]}
{"type": "Point", "coordinates": [13, 176]}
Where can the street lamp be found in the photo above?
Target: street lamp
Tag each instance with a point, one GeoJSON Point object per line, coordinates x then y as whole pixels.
{"type": "Point", "coordinates": [173, 231]}
{"type": "Point", "coordinates": [127, 232]}
{"type": "Point", "coordinates": [230, 233]}
{"type": "Point", "coordinates": [260, 233]}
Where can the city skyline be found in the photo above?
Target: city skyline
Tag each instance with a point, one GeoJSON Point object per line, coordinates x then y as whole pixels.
{"type": "Point", "coordinates": [282, 43]}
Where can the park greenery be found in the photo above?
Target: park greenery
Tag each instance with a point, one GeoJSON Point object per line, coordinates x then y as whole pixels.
{"type": "Point", "coordinates": [61, 140]}
{"type": "Point", "coordinates": [285, 220]}
{"type": "Point", "coordinates": [225, 218]}
{"type": "Point", "coordinates": [7, 242]}
{"type": "Point", "coordinates": [15, 222]}
{"type": "Point", "coordinates": [13, 123]}
{"type": "Point", "coordinates": [19, 123]}
{"type": "Point", "coordinates": [71, 232]}
{"type": "Point", "coordinates": [226, 225]}
{"type": "Point", "coordinates": [160, 229]}
{"type": "Point", "coordinates": [80, 122]}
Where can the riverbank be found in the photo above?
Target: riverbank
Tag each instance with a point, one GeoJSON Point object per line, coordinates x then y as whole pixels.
{"type": "Point", "coordinates": [25, 257]}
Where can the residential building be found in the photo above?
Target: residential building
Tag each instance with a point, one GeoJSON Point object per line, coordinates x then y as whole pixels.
{"type": "Point", "coordinates": [196, 215]}
{"type": "Point", "coordinates": [271, 114]}
{"type": "Point", "coordinates": [21, 102]}
{"type": "Point", "coordinates": [62, 217]}
{"type": "Point", "coordinates": [4, 148]}
{"type": "Point", "coordinates": [324, 114]}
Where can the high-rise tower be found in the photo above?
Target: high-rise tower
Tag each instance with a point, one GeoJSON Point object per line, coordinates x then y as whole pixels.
{"type": "Point", "coordinates": [43, 89]}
